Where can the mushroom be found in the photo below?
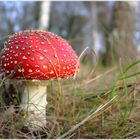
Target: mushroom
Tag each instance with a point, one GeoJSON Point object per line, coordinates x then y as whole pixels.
{"type": "Point", "coordinates": [35, 56]}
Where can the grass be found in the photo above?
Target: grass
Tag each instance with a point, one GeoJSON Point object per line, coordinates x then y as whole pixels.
{"type": "Point", "coordinates": [101, 104]}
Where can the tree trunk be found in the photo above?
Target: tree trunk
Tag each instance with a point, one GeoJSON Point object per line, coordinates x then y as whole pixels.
{"type": "Point", "coordinates": [121, 46]}
{"type": "Point", "coordinates": [93, 35]}
{"type": "Point", "coordinates": [44, 15]}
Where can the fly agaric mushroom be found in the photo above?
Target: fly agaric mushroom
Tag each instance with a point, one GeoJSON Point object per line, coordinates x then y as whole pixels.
{"type": "Point", "coordinates": [35, 56]}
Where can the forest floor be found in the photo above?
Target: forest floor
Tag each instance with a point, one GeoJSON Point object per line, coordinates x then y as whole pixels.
{"type": "Point", "coordinates": [99, 103]}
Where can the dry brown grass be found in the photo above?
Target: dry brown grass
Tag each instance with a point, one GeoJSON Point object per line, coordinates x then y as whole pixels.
{"type": "Point", "coordinates": [77, 111]}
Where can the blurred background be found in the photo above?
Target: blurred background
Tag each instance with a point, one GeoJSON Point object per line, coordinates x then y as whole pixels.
{"type": "Point", "coordinates": [109, 28]}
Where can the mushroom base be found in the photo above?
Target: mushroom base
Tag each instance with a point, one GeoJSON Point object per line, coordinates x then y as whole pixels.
{"type": "Point", "coordinates": [33, 102]}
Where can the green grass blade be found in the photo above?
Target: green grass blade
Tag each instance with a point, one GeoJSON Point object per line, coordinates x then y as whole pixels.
{"type": "Point", "coordinates": [129, 76]}
{"type": "Point", "coordinates": [131, 65]}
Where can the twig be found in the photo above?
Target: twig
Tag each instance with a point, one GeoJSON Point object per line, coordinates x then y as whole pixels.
{"type": "Point", "coordinates": [7, 115]}
{"type": "Point", "coordinates": [99, 76]}
{"type": "Point", "coordinates": [92, 115]}
{"type": "Point", "coordinates": [4, 37]}
{"type": "Point", "coordinates": [119, 88]}
{"type": "Point", "coordinates": [96, 57]}
{"type": "Point", "coordinates": [78, 62]}
{"type": "Point", "coordinates": [2, 79]}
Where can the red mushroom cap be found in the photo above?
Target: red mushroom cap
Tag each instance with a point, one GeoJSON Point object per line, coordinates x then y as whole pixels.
{"type": "Point", "coordinates": [39, 55]}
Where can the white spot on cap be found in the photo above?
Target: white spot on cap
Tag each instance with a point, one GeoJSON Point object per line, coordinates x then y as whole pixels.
{"type": "Point", "coordinates": [32, 58]}
{"type": "Point", "coordinates": [42, 43]}
{"type": "Point", "coordinates": [30, 70]}
{"type": "Point", "coordinates": [41, 58]}
{"type": "Point", "coordinates": [24, 57]}
{"type": "Point", "coordinates": [49, 43]}
{"type": "Point", "coordinates": [37, 70]}
{"type": "Point", "coordinates": [15, 62]}
{"type": "Point", "coordinates": [7, 49]}
{"type": "Point", "coordinates": [55, 55]}
{"type": "Point", "coordinates": [36, 66]}
{"type": "Point", "coordinates": [21, 70]}
{"type": "Point", "coordinates": [45, 51]}
{"type": "Point", "coordinates": [44, 66]}
{"type": "Point", "coordinates": [51, 72]}
{"type": "Point", "coordinates": [12, 71]}
{"type": "Point", "coordinates": [22, 48]}
{"type": "Point", "coordinates": [7, 71]}
{"type": "Point", "coordinates": [30, 46]}
{"type": "Point", "coordinates": [16, 54]}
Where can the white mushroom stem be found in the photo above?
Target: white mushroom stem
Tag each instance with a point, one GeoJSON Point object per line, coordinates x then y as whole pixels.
{"type": "Point", "coordinates": [33, 102]}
